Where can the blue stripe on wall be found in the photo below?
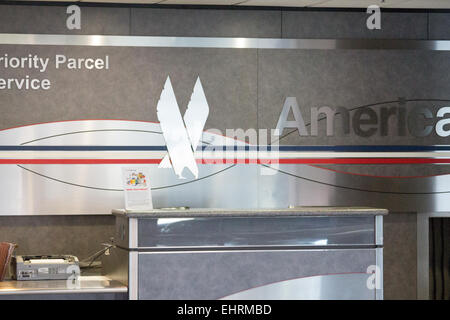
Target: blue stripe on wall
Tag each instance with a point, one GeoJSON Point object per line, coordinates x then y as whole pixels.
{"type": "Point", "coordinates": [352, 148]}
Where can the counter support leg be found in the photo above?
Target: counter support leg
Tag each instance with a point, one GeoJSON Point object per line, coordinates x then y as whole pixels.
{"type": "Point", "coordinates": [133, 269]}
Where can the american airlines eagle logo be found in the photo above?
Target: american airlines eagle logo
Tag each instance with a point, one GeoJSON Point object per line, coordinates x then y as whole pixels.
{"type": "Point", "coordinates": [182, 134]}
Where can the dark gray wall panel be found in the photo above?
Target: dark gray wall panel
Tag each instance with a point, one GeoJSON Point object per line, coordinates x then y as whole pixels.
{"type": "Point", "coordinates": [220, 23]}
{"type": "Point", "coordinates": [52, 19]}
{"type": "Point", "coordinates": [206, 23]}
{"type": "Point", "coordinates": [353, 79]}
{"type": "Point", "coordinates": [330, 25]}
{"type": "Point", "coordinates": [350, 79]}
{"type": "Point", "coordinates": [105, 21]}
{"type": "Point", "coordinates": [77, 235]}
{"type": "Point", "coordinates": [400, 256]}
{"type": "Point", "coordinates": [131, 88]}
{"type": "Point", "coordinates": [32, 19]}
{"type": "Point", "coordinates": [439, 26]}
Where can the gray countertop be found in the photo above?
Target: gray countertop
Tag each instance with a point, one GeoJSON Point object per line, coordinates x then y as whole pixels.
{"type": "Point", "coordinates": [216, 212]}
{"type": "Point", "coordinates": [86, 284]}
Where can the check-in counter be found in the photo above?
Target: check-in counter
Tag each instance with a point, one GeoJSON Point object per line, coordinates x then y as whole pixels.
{"type": "Point", "coordinates": [83, 288]}
{"type": "Point", "coordinates": [293, 253]}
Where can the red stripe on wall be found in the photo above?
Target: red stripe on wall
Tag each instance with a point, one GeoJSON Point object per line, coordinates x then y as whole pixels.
{"type": "Point", "coordinates": [80, 161]}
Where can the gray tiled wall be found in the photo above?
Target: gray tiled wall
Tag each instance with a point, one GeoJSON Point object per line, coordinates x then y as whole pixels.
{"type": "Point", "coordinates": [206, 23]}
{"type": "Point", "coordinates": [439, 26]}
{"type": "Point", "coordinates": [338, 25]}
{"type": "Point", "coordinates": [276, 23]}
{"type": "Point", "coordinates": [52, 20]}
{"type": "Point", "coordinates": [77, 235]}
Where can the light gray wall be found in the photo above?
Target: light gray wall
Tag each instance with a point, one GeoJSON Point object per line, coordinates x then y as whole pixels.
{"type": "Point", "coordinates": [79, 235]}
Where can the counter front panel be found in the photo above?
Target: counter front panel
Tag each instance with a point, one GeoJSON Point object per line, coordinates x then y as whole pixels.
{"type": "Point", "coordinates": [275, 274]}
{"type": "Point", "coordinates": [256, 231]}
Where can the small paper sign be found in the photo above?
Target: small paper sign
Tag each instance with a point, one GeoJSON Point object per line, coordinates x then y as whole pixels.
{"type": "Point", "coordinates": [137, 190]}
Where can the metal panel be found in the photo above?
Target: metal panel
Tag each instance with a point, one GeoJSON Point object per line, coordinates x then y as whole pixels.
{"type": "Point", "coordinates": [215, 275]}
{"type": "Point", "coordinates": [133, 275]}
{"type": "Point", "coordinates": [237, 43]}
{"type": "Point", "coordinates": [256, 232]}
{"type": "Point", "coordinates": [379, 230]}
{"type": "Point", "coordinates": [133, 233]}
{"type": "Point", "coordinates": [323, 287]}
{"type": "Point", "coordinates": [379, 292]}
{"type": "Point", "coordinates": [32, 189]}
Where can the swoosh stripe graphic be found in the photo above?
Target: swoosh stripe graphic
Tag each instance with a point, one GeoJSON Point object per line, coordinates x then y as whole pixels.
{"type": "Point", "coordinates": [294, 278]}
{"type": "Point", "coordinates": [377, 176]}
{"type": "Point", "coordinates": [106, 189]}
{"type": "Point", "coordinates": [281, 148]}
{"type": "Point", "coordinates": [356, 189]}
{"type": "Point", "coordinates": [230, 167]}
{"type": "Point", "coordinates": [418, 147]}
{"type": "Point", "coordinates": [88, 131]}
